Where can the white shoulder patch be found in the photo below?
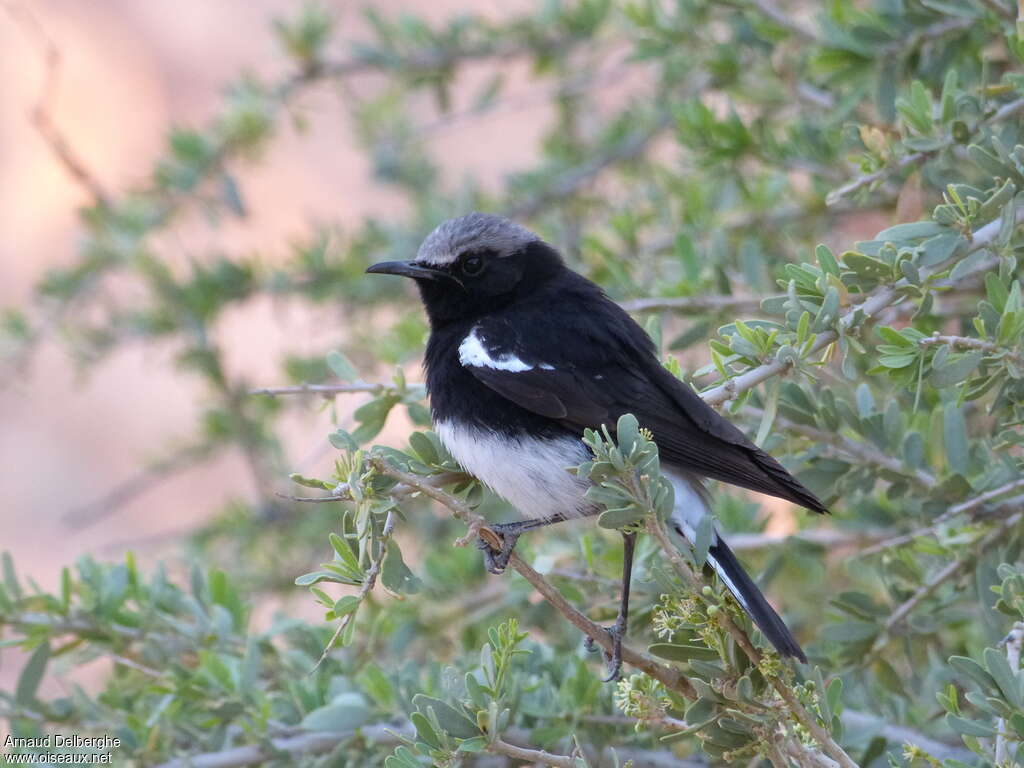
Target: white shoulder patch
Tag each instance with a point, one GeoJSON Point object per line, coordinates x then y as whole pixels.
{"type": "Point", "coordinates": [472, 352]}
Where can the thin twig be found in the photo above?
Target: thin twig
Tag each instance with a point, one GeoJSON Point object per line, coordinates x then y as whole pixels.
{"type": "Point", "coordinates": [966, 507]}
{"type": "Point", "coordinates": [807, 720]}
{"type": "Point", "coordinates": [1000, 9]}
{"type": "Point", "coordinates": [915, 158]}
{"type": "Point", "coordinates": [852, 719]}
{"type": "Point", "coordinates": [946, 573]}
{"type": "Point", "coordinates": [694, 304]}
{"type": "Point", "coordinates": [788, 21]}
{"type": "Point", "coordinates": [369, 580]}
{"type": "Point", "coordinates": [569, 182]}
{"type": "Point", "coordinates": [533, 756]}
{"type": "Point", "coordinates": [41, 114]}
{"type": "Point", "coordinates": [146, 479]}
{"type": "Point", "coordinates": [875, 302]}
{"type": "Point", "coordinates": [668, 676]}
{"type": "Point", "coordinates": [830, 538]}
{"type": "Point", "coordinates": [861, 452]}
{"type": "Point", "coordinates": [967, 342]}
{"type": "Point", "coordinates": [325, 390]}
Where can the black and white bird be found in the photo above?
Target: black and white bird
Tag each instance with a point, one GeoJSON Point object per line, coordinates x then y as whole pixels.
{"type": "Point", "coordinates": [524, 354]}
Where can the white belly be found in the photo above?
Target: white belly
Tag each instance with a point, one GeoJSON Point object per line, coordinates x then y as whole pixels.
{"type": "Point", "coordinates": [527, 472]}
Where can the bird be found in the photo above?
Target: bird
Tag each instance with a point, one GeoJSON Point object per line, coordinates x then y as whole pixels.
{"type": "Point", "coordinates": [524, 354]}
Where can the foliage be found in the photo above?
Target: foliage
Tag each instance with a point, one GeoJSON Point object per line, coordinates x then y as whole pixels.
{"type": "Point", "coordinates": [887, 373]}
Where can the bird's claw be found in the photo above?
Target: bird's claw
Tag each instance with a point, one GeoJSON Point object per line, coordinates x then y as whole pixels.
{"type": "Point", "coordinates": [496, 560]}
{"type": "Point", "coordinates": [612, 658]}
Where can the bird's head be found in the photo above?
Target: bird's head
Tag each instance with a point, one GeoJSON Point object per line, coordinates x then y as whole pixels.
{"type": "Point", "coordinates": [474, 264]}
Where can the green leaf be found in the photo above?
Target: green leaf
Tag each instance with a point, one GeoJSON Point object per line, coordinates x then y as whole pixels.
{"type": "Point", "coordinates": [1006, 678]}
{"type": "Point", "coordinates": [342, 440]}
{"type": "Point", "coordinates": [627, 433]}
{"type": "Point", "coordinates": [345, 605]}
{"type": "Point", "coordinates": [701, 712]}
{"type": "Point", "coordinates": [702, 539]}
{"type": "Point", "coordinates": [970, 727]}
{"type": "Point", "coordinates": [344, 551]}
{"type": "Point", "coordinates": [954, 432]}
{"type": "Point", "coordinates": [424, 730]}
{"type": "Point", "coordinates": [31, 675]}
{"type": "Point", "coordinates": [478, 744]}
{"type": "Point", "coordinates": [916, 230]}
{"type": "Point", "coordinates": [377, 685]}
{"type": "Point", "coordinates": [968, 265]}
{"type": "Point", "coordinates": [345, 713]}
{"type": "Point", "coordinates": [424, 448]}
{"type": "Point", "coordinates": [827, 260]}
{"type": "Point", "coordinates": [395, 574]}
{"type": "Point", "coordinates": [974, 670]}
{"type": "Point", "coordinates": [341, 366]}
{"type": "Point", "coordinates": [617, 518]}
{"type": "Point", "coordinates": [956, 371]}
{"type": "Point", "coordinates": [449, 718]}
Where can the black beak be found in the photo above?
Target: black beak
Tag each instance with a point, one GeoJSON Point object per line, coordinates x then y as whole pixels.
{"type": "Point", "coordinates": [406, 269]}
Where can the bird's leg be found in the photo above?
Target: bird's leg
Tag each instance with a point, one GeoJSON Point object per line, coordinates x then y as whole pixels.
{"type": "Point", "coordinates": [617, 631]}
{"type": "Point", "coordinates": [496, 560]}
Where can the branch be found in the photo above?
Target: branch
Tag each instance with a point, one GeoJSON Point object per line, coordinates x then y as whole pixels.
{"type": "Point", "coordinates": [903, 735]}
{"type": "Point", "coordinates": [668, 676]}
{"type": "Point", "coordinates": [325, 390]}
{"type": "Point", "coordinates": [915, 158]}
{"type": "Point", "coordinates": [368, 583]}
{"type": "Point", "coordinates": [862, 452]}
{"type": "Point", "coordinates": [303, 744]}
{"type": "Point", "coordinates": [533, 756]}
{"type": "Point", "coordinates": [965, 507]}
{"type": "Point", "coordinates": [694, 304]}
{"type": "Point", "coordinates": [784, 20]}
{"type": "Point", "coordinates": [948, 572]}
{"type": "Point", "coordinates": [41, 112]}
{"type": "Point", "coordinates": [967, 342]}
{"type": "Point", "coordinates": [93, 511]}
{"type": "Point", "coordinates": [829, 538]}
{"type": "Point", "coordinates": [876, 301]}
{"type": "Point", "coordinates": [1000, 9]}
{"type": "Point", "coordinates": [802, 716]}
{"type": "Point", "coordinates": [570, 181]}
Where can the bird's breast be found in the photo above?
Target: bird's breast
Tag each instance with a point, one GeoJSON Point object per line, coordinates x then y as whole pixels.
{"type": "Point", "coordinates": [529, 472]}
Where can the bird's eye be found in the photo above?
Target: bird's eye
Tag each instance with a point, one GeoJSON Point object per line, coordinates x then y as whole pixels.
{"type": "Point", "coordinates": [472, 265]}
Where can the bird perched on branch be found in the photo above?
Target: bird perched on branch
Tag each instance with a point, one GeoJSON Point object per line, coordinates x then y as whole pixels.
{"type": "Point", "coordinates": [524, 354]}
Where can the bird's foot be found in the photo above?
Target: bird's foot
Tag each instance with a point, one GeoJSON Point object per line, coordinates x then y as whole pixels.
{"type": "Point", "coordinates": [496, 560]}
{"type": "Point", "coordinates": [612, 658]}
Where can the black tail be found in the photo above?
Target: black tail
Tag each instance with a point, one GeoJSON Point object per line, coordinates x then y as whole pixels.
{"type": "Point", "coordinates": [749, 596]}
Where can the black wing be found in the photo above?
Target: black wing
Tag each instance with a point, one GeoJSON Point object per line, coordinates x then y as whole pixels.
{"type": "Point", "coordinates": [612, 370]}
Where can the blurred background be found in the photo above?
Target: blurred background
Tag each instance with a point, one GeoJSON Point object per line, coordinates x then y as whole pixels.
{"type": "Point", "coordinates": [191, 195]}
{"type": "Point", "coordinates": [127, 71]}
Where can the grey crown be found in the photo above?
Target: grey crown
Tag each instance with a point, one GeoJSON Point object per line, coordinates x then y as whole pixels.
{"type": "Point", "coordinates": [474, 231]}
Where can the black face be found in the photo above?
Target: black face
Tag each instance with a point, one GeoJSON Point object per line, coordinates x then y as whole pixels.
{"type": "Point", "coordinates": [479, 281]}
